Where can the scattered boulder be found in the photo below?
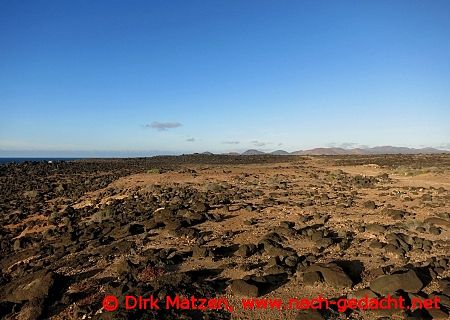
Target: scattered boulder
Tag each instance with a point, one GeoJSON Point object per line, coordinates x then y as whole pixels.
{"type": "Point", "coordinates": [312, 277]}
{"type": "Point", "coordinates": [370, 204]}
{"type": "Point", "coordinates": [199, 207]}
{"type": "Point", "coordinates": [362, 293]}
{"type": "Point", "coordinates": [291, 261]}
{"type": "Point", "coordinates": [200, 252]}
{"type": "Point", "coordinates": [162, 215]}
{"type": "Point", "coordinates": [332, 274]}
{"type": "Point", "coordinates": [375, 228]}
{"type": "Point", "coordinates": [35, 290]}
{"type": "Point", "coordinates": [436, 221]}
{"type": "Point", "coordinates": [135, 236]}
{"type": "Point", "coordinates": [246, 250]}
{"type": "Point", "coordinates": [310, 314]}
{"type": "Point", "coordinates": [243, 288]}
{"type": "Point", "coordinates": [135, 228]}
{"type": "Point", "coordinates": [405, 281]}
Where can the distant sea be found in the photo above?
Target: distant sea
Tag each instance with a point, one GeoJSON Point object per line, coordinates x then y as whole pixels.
{"type": "Point", "coordinates": [18, 160]}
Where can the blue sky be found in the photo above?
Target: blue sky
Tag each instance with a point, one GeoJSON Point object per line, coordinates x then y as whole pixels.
{"type": "Point", "coordinates": [143, 77]}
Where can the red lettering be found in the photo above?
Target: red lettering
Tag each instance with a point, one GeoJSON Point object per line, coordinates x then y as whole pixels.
{"type": "Point", "coordinates": [128, 305]}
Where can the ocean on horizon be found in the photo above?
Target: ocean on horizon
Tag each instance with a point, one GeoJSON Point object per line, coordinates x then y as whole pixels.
{"type": "Point", "coordinates": [19, 160]}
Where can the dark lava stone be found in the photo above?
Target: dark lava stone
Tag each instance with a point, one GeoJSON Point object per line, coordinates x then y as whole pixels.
{"type": "Point", "coordinates": [199, 207]}
{"type": "Point", "coordinates": [310, 278]}
{"type": "Point", "coordinates": [200, 252]}
{"type": "Point", "coordinates": [370, 204]}
{"type": "Point", "coordinates": [246, 250]}
{"type": "Point", "coordinates": [243, 288]}
{"type": "Point", "coordinates": [287, 224]}
{"type": "Point", "coordinates": [136, 228]}
{"type": "Point", "coordinates": [435, 230]}
{"type": "Point", "coordinates": [291, 261]}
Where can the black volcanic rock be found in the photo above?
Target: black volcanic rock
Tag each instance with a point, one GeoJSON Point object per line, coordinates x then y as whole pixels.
{"type": "Point", "coordinates": [244, 288]}
{"type": "Point", "coordinates": [406, 281]}
{"type": "Point", "coordinates": [332, 275]}
{"type": "Point", "coordinates": [72, 233]}
{"type": "Point", "coordinates": [136, 228]}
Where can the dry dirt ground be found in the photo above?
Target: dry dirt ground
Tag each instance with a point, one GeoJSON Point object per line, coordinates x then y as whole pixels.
{"type": "Point", "coordinates": [297, 227]}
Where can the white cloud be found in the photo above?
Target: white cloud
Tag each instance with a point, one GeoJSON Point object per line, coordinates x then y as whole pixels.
{"type": "Point", "coordinates": [162, 126]}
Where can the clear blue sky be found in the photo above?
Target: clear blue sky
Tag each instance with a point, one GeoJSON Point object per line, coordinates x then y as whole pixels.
{"type": "Point", "coordinates": [140, 77]}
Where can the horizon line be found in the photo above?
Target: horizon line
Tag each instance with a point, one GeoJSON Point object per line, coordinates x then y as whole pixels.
{"type": "Point", "coordinates": [153, 153]}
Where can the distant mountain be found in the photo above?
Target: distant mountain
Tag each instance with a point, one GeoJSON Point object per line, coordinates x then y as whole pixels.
{"type": "Point", "coordinates": [252, 152]}
{"type": "Point", "coordinates": [342, 151]}
{"type": "Point", "coordinates": [394, 150]}
{"type": "Point", "coordinates": [231, 153]}
{"type": "Point", "coordinates": [280, 152]}
{"type": "Point", "coordinates": [367, 151]}
{"type": "Point", "coordinates": [322, 151]}
{"type": "Point", "coordinates": [208, 153]}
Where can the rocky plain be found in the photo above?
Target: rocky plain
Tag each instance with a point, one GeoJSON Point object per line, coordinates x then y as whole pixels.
{"type": "Point", "coordinates": [209, 226]}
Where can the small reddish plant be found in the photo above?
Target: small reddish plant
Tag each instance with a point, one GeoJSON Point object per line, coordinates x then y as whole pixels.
{"type": "Point", "coordinates": [150, 273]}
